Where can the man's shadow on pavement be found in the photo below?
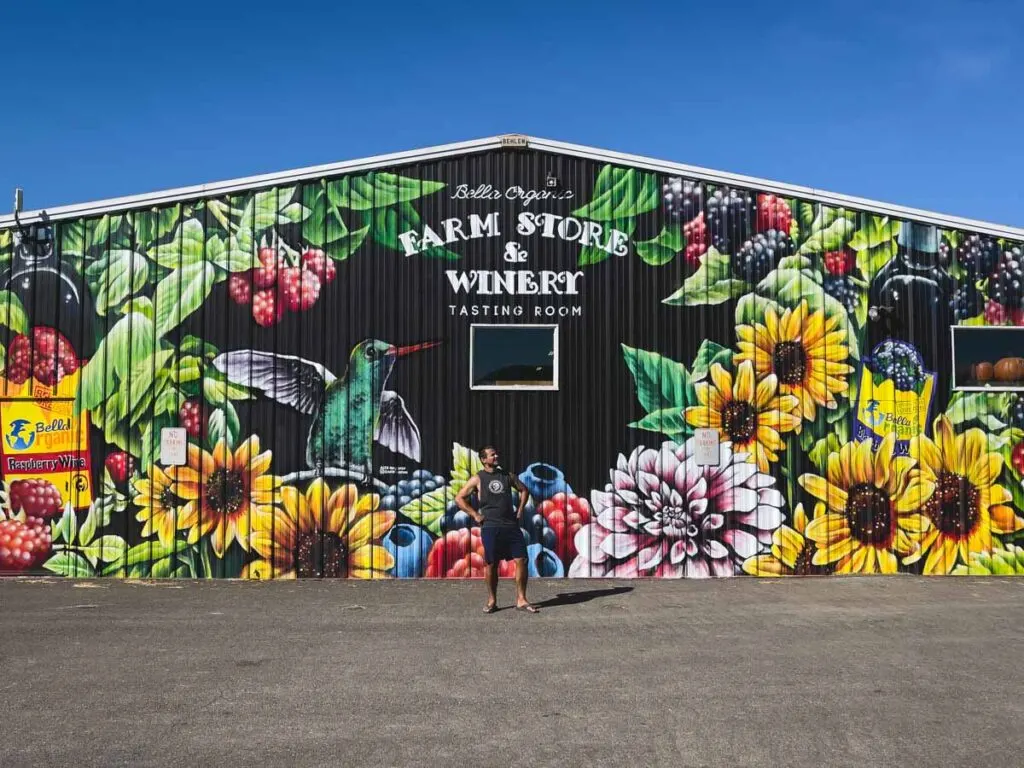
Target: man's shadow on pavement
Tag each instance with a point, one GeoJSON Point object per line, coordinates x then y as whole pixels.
{"type": "Point", "coordinates": [585, 596]}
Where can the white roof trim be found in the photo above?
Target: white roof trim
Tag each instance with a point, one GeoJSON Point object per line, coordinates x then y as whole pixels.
{"type": "Point", "coordinates": [216, 189]}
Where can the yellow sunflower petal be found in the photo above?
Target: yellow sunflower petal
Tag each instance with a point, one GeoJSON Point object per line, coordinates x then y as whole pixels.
{"type": "Point", "coordinates": [827, 530]}
{"type": "Point", "coordinates": [971, 446]}
{"type": "Point", "coordinates": [800, 519]}
{"type": "Point", "coordinates": [887, 562]}
{"type": "Point", "coordinates": [764, 565]}
{"type": "Point", "coordinates": [771, 325]}
{"type": "Point", "coordinates": [823, 490]}
{"type": "Point", "coordinates": [985, 469]}
{"type": "Point", "coordinates": [743, 389]}
{"type": "Point", "coordinates": [926, 453]}
{"type": "Point", "coordinates": [371, 556]}
{"type": "Point", "coordinates": [766, 389]}
{"type": "Point", "coordinates": [826, 555]}
{"type": "Point", "coordinates": [722, 380]}
{"type": "Point", "coordinates": [945, 438]}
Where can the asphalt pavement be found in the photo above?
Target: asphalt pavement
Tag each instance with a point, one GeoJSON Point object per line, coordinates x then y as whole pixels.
{"type": "Point", "coordinates": [744, 672]}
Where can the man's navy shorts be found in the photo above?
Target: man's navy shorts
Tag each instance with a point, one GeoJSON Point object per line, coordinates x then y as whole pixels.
{"type": "Point", "coordinates": [502, 543]}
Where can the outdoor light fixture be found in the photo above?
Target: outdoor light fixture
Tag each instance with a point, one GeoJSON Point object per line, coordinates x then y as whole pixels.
{"type": "Point", "coordinates": [551, 182]}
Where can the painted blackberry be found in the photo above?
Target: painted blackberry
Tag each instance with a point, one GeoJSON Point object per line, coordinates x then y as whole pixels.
{"type": "Point", "coordinates": [1016, 411]}
{"type": "Point", "coordinates": [966, 302]}
{"type": "Point", "coordinates": [682, 198]}
{"type": "Point", "coordinates": [842, 289]}
{"type": "Point", "coordinates": [1007, 284]}
{"type": "Point", "coordinates": [977, 256]}
{"type": "Point", "coordinates": [730, 216]}
{"type": "Point", "coordinates": [760, 254]}
{"type": "Point", "coordinates": [900, 362]}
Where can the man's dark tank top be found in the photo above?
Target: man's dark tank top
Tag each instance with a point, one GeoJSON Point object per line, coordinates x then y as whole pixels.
{"type": "Point", "coordinates": [496, 499]}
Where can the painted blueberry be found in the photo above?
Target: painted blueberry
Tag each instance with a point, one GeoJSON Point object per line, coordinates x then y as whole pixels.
{"type": "Point", "coordinates": [409, 545]}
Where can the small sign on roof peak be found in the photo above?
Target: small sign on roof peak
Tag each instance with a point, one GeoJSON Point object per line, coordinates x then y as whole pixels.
{"type": "Point", "coordinates": [515, 140]}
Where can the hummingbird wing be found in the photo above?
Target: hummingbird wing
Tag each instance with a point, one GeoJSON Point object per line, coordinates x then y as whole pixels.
{"type": "Point", "coordinates": [396, 430]}
{"type": "Point", "coordinates": [289, 380]}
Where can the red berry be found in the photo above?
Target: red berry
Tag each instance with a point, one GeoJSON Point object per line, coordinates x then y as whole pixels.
{"type": "Point", "coordinates": [299, 288]}
{"type": "Point", "coordinates": [317, 262]}
{"type": "Point", "coordinates": [693, 253]}
{"type": "Point", "coordinates": [240, 288]}
{"type": "Point", "coordinates": [190, 416]}
{"type": "Point", "coordinates": [1017, 457]}
{"type": "Point", "coordinates": [566, 514]}
{"type": "Point", "coordinates": [23, 546]}
{"type": "Point", "coordinates": [839, 262]}
{"type": "Point", "coordinates": [265, 275]}
{"type": "Point", "coordinates": [120, 465]}
{"type": "Point", "coordinates": [995, 313]}
{"type": "Point", "coordinates": [266, 308]}
{"type": "Point", "coordinates": [47, 356]}
{"type": "Point", "coordinates": [1016, 316]}
{"type": "Point", "coordinates": [773, 213]}
{"type": "Point", "coordinates": [37, 497]}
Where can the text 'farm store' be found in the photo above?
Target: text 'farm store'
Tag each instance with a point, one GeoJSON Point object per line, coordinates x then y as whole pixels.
{"type": "Point", "coordinates": [694, 374]}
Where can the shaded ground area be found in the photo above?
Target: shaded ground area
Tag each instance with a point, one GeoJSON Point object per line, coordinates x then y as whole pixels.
{"type": "Point", "coordinates": [868, 671]}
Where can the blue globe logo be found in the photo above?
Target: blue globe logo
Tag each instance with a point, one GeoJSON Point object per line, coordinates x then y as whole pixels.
{"type": "Point", "coordinates": [20, 438]}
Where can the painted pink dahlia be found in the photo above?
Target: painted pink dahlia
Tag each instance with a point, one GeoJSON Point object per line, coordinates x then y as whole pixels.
{"type": "Point", "coordinates": [663, 516]}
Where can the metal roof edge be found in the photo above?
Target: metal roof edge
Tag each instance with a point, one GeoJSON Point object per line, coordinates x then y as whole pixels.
{"type": "Point", "coordinates": [214, 189]}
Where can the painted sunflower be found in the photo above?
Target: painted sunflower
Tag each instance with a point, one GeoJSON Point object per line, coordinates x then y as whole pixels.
{"type": "Point", "coordinates": [160, 508]}
{"type": "Point", "coordinates": [968, 506]}
{"type": "Point", "coordinates": [319, 535]}
{"type": "Point", "coordinates": [874, 508]}
{"type": "Point", "coordinates": [228, 494]}
{"type": "Point", "coordinates": [792, 552]}
{"type": "Point", "coordinates": [805, 351]}
{"type": "Point", "coordinates": [752, 415]}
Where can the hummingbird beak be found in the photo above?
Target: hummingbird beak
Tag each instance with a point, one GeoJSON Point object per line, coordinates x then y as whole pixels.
{"type": "Point", "coordinates": [403, 351]}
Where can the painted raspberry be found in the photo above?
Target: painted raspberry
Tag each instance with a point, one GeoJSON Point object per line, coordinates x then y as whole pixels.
{"type": "Point", "coordinates": [120, 465]}
{"type": "Point", "coordinates": [696, 233]}
{"type": "Point", "coordinates": [460, 554]}
{"type": "Point", "coordinates": [566, 514]}
{"type": "Point", "coordinates": [240, 288]}
{"type": "Point", "coordinates": [265, 275]}
{"type": "Point", "coordinates": [38, 498]}
{"type": "Point", "coordinates": [23, 545]}
{"type": "Point", "coordinates": [840, 262]}
{"type": "Point", "coordinates": [995, 313]}
{"type": "Point", "coordinates": [267, 310]}
{"type": "Point", "coordinates": [773, 213]}
{"type": "Point", "coordinates": [316, 261]}
{"type": "Point", "coordinates": [190, 416]}
{"type": "Point", "coordinates": [299, 288]}
{"type": "Point", "coordinates": [47, 356]}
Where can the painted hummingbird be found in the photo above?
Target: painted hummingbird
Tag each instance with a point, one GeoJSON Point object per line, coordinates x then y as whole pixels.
{"type": "Point", "coordinates": [349, 413]}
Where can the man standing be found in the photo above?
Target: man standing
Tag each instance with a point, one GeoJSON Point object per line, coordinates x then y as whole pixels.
{"type": "Point", "coordinates": [502, 538]}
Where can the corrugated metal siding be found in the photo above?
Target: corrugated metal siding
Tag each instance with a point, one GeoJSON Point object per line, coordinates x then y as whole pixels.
{"type": "Point", "coordinates": [147, 358]}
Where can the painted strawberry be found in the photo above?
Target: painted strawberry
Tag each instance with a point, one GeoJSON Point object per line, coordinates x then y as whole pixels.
{"type": "Point", "coordinates": [120, 465]}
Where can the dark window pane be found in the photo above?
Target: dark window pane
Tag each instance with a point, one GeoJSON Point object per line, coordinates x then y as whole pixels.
{"type": "Point", "coordinates": [513, 356]}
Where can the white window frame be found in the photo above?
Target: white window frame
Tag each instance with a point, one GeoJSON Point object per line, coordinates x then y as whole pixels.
{"type": "Point", "coordinates": [514, 387]}
{"type": "Point", "coordinates": [995, 387]}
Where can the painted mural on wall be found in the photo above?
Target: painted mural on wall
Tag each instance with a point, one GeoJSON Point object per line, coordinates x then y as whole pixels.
{"type": "Point", "coordinates": [842, 448]}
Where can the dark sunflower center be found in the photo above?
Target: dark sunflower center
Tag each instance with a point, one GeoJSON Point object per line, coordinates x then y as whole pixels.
{"type": "Point", "coordinates": [225, 491]}
{"type": "Point", "coordinates": [321, 555]}
{"type": "Point", "coordinates": [869, 514]}
{"type": "Point", "coordinates": [168, 500]}
{"type": "Point", "coordinates": [789, 361]}
{"type": "Point", "coordinates": [803, 565]}
{"type": "Point", "coordinates": [955, 507]}
{"type": "Point", "coordinates": [739, 421]}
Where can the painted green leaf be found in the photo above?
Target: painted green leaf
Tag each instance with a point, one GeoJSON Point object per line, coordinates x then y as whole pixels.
{"type": "Point", "coordinates": [465, 463]}
{"type": "Point", "coordinates": [269, 208]}
{"type": "Point", "coordinates": [131, 338]}
{"type": "Point", "coordinates": [72, 238]}
{"type": "Point", "coordinates": [620, 193]}
{"type": "Point", "coordinates": [71, 564]}
{"type": "Point", "coordinates": [411, 189]}
{"type": "Point", "coordinates": [660, 382]}
{"type": "Point", "coordinates": [12, 312]}
{"type": "Point", "coordinates": [181, 293]}
{"type": "Point", "coordinates": [428, 510]}
{"type": "Point", "coordinates": [833, 237]}
{"type": "Point", "coordinates": [965, 407]}
{"type": "Point", "coordinates": [751, 308]}
{"type": "Point", "coordinates": [88, 529]}
{"type": "Point", "coordinates": [141, 377]}
{"type": "Point", "coordinates": [185, 248]}
{"type": "Point", "coordinates": [105, 549]}
{"type": "Point", "coordinates": [342, 247]}
{"type": "Point", "coordinates": [389, 223]}
{"type": "Point", "coordinates": [141, 304]}
{"type": "Point", "coordinates": [712, 283]}
{"type": "Point", "coordinates": [668, 421]}
{"type": "Point", "coordinates": [806, 215]}
{"type": "Point", "coordinates": [663, 248]}
{"type": "Point", "coordinates": [708, 353]}
{"type": "Point", "coordinates": [295, 212]}
{"type": "Point", "coordinates": [114, 277]}
{"type": "Point", "coordinates": [187, 370]}
{"type": "Point", "coordinates": [217, 389]}
{"type": "Point", "coordinates": [67, 525]}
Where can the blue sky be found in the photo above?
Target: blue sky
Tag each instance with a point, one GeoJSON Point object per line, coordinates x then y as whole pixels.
{"type": "Point", "coordinates": [921, 106]}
